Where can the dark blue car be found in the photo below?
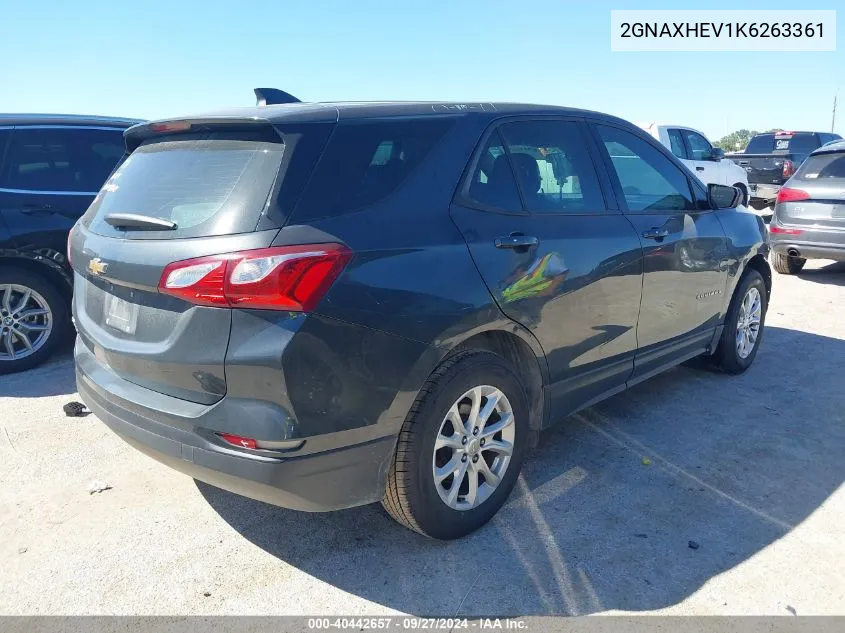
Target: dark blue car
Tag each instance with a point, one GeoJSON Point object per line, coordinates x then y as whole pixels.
{"type": "Point", "coordinates": [51, 167]}
{"type": "Point", "coordinates": [321, 305]}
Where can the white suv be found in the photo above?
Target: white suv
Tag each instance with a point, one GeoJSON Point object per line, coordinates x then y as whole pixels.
{"type": "Point", "coordinates": [704, 160]}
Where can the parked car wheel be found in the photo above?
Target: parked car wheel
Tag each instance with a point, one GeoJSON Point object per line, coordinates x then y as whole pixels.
{"type": "Point", "coordinates": [461, 447]}
{"type": "Point", "coordinates": [744, 191]}
{"type": "Point", "coordinates": [33, 319]}
{"type": "Point", "coordinates": [787, 265]}
{"type": "Point", "coordinates": [744, 325]}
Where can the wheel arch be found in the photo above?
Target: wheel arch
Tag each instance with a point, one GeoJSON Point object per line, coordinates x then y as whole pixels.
{"type": "Point", "coordinates": [42, 266]}
{"type": "Point", "coordinates": [759, 263]}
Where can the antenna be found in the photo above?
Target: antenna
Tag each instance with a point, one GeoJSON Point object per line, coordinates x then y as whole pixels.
{"type": "Point", "coordinates": [833, 118]}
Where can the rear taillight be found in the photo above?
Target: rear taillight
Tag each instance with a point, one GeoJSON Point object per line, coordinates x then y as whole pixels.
{"type": "Point", "coordinates": [292, 278]}
{"type": "Point", "coordinates": [788, 168]}
{"type": "Point", "coordinates": [788, 194]}
{"type": "Point", "coordinates": [773, 228]}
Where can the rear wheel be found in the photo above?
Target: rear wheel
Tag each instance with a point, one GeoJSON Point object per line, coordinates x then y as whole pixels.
{"type": "Point", "coordinates": [787, 265]}
{"type": "Point", "coordinates": [744, 325]}
{"type": "Point", "coordinates": [460, 449]}
{"type": "Point", "coordinates": [33, 318]}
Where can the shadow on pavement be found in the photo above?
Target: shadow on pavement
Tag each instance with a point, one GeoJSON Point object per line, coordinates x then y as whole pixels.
{"type": "Point", "coordinates": [831, 274]}
{"type": "Point", "coordinates": [736, 463]}
{"type": "Point", "coordinates": [54, 378]}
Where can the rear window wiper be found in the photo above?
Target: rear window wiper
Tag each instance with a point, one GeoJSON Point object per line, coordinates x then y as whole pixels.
{"type": "Point", "coordinates": [141, 222]}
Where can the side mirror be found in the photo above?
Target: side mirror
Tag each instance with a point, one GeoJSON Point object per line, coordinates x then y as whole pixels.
{"type": "Point", "coordinates": [723, 197]}
{"type": "Point", "coordinates": [717, 154]}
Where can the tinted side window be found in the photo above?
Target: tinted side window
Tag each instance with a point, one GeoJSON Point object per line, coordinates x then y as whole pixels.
{"type": "Point", "coordinates": [648, 179]}
{"type": "Point", "coordinates": [5, 135]}
{"type": "Point", "coordinates": [677, 143]}
{"type": "Point", "coordinates": [61, 159]}
{"type": "Point", "coordinates": [492, 183]}
{"type": "Point", "coordinates": [699, 147]}
{"type": "Point", "coordinates": [552, 166]}
{"type": "Point", "coordinates": [366, 161]}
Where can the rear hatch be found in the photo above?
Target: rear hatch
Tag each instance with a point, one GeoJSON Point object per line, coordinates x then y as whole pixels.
{"type": "Point", "coordinates": [815, 196]}
{"type": "Point", "coordinates": [185, 192]}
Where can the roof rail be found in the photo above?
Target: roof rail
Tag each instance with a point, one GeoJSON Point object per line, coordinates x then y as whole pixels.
{"type": "Point", "coordinates": [273, 96]}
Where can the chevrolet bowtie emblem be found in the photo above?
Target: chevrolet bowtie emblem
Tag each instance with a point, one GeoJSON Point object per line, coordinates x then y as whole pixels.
{"type": "Point", "coordinates": [97, 266]}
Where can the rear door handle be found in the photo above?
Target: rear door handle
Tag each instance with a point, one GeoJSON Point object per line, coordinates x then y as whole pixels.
{"type": "Point", "coordinates": [515, 240]}
{"type": "Point", "coordinates": [655, 234]}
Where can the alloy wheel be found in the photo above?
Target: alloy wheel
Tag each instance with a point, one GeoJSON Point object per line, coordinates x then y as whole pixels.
{"type": "Point", "coordinates": [748, 324]}
{"type": "Point", "coordinates": [473, 447]}
{"type": "Point", "coordinates": [25, 322]}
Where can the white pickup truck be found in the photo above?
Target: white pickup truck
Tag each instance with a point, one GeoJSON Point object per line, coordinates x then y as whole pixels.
{"type": "Point", "coordinates": [704, 160]}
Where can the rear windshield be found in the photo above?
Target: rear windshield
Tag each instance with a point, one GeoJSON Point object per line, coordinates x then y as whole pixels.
{"type": "Point", "coordinates": [823, 167]}
{"type": "Point", "coordinates": [802, 143]}
{"type": "Point", "coordinates": [209, 184]}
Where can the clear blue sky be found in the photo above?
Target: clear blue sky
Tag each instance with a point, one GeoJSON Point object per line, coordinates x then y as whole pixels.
{"type": "Point", "coordinates": [152, 59]}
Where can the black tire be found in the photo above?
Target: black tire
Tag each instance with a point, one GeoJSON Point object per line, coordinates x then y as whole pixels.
{"type": "Point", "coordinates": [60, 315]}
{"type": "Point", "coordinates": [411, 496]}
{"type": "Point", "coordinates": [727, 357]}
{"type": "Point", "coordinates": [744, 191]}
{"type": "Point", "coordinates": [786, 265]}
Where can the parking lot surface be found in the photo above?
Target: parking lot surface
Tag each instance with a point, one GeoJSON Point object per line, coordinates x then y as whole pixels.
{"type": "Point", "coordinates": [693, 493]}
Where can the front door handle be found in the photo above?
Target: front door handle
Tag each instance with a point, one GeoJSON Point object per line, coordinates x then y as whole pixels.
{"type": "Point", "coordinates": [655, 234]}
{"type": "Point", "coordinates": [699, 168]}
{"type": "Point", "coordinates": [516, 241]}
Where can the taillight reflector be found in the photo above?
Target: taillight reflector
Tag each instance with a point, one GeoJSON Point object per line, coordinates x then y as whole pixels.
{"type": "Point", "coordinates": [292, 278]}
{"type": "Point", "coordinates": [784, 231]}
{"type": "Point", "coordinates": [237, 440]}
{"type": "Point", "coordinates": [788, 194]}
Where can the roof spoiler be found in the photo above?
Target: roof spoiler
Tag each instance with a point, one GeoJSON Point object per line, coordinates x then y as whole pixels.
{"type": "Point", "coordinates": [273, 96]}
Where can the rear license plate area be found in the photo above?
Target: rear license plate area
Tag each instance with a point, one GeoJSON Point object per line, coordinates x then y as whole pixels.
{"type": "Point", "coordinates": [121, 315]}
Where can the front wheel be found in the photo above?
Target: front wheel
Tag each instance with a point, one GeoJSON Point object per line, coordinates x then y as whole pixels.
{"type": "Point", "coordinates": [460, 449]}
{"type": "Point", "coordinates": [743, 325]}
{"type": "Point", "coordinates": [744, 191]}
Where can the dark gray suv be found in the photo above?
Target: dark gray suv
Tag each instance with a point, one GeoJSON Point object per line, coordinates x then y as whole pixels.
{"type": "Point", "coordinates": [329, 304]}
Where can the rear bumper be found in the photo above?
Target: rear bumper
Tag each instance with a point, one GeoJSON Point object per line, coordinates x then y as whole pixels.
{"type": "Point", "coordinates": [810, 250]}
{"type": "Point", "coordinates": [763, 192]}
{"type": "Point", "coordinates": [338, 477]}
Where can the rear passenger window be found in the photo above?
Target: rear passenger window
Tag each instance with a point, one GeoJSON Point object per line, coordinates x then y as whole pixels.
{"type": "Point", "coordinates": [61, 159]}
{"type": "Point", "coordinates": [366, 161]}
{"type": "Point", "coordinates": [492, 183]}
{"type": "Point", "coordinates": [649, 180]}
{"type": "Point", "coordinates": [553, 167]}
{"type": "Point", "coordinates": [677, 143]}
